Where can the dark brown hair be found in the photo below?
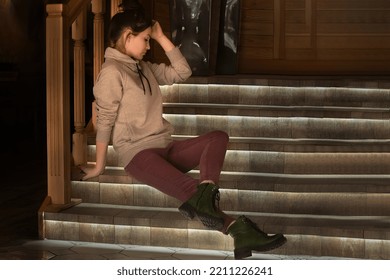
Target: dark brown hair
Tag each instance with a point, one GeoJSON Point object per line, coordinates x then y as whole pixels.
{"type": "Point", "coordinates": [132, 17]}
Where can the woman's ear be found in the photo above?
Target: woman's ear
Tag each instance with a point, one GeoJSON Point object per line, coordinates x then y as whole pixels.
{"type": "Point", "coordinates": [127, 34]}
{"type": "Point", "coordinates": [121, 43]}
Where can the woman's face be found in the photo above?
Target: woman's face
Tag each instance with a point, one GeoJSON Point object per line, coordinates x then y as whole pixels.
{"type": "Point", "coordinates": [136, 46]}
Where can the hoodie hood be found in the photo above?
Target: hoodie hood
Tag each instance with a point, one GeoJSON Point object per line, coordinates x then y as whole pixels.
{"type": "Point", "coordinates": [112, 53]}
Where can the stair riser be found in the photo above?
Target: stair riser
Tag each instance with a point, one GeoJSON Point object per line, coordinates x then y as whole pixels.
{"type": "Point", "coordinates": [303, 245]}
{"type": "Point", "coordinates": [307, 146]}
{"type": "Point", "coordinates": [284, 145]}
{"type": "Point", "coordinates": [123, 193]}
{"type": "Point", "coordinates": [307, 163]}
{"type": "Point", "coordinates": [274, 95]}
{"type": "Point", "coordinates": [241, 200]}
{"type": "Point", "coordinates": [293, 163]}
{"type": "Point", "coordinates": [282, 127]}
{"type": "Point", "coordinates": [281, 112]}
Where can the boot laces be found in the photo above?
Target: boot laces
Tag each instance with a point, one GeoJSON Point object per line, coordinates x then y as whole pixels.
{"type": "Point", "coordinates": [216, 198]}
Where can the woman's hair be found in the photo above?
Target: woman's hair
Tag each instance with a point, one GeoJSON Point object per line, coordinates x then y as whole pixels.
{"type": "Point", "coordinates": [130, 5]}
{"type": "Point", "coordinates": [132, 17]}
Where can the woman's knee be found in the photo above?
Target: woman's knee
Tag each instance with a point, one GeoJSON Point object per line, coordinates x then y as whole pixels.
{"type": "Point", "coordinates": [221, 135]}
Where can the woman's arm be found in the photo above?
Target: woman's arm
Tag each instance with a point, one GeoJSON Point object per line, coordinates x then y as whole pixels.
{"type": "Point", "coordinates": [108, 93]}
{"type": "Point", "coordinates": [101, 154]}
{"type": "Point", "coordinates": [179, 70]}
{"type": "Point", "coordinates": [159, 36]}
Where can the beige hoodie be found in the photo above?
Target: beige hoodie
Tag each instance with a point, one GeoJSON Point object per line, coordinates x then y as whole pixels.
{"type": "Point", "coordinates": [129, 102]}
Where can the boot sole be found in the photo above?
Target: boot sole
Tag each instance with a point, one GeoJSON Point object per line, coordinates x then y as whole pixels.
{"type": "Point", "coordinates": [208, 221]}
{"type": "Point", "coordinates": [246, 252]}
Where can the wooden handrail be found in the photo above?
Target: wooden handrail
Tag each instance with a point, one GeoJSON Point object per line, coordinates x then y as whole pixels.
{"type": "Point", "coordinates": [75, 7]}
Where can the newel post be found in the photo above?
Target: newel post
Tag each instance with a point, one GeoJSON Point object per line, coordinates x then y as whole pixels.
{"type": "Point", "coordinates": [58, 104]}
{"type": "Point", "coordinates": [79, 35]}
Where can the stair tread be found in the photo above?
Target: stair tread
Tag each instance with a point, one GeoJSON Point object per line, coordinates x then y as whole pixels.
{"type": "Point", "coordinates": [117, 171]}
{"type": "Point", "coordinates": [284, 140]}
{"type": "Point", "coordinates": [118, 175]}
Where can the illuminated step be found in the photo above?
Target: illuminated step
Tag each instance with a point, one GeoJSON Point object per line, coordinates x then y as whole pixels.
{"type": "Point", "coordinates": [294, 162]}
{"type": "Point", "coordinates": [281, 127]}
{"type": "Point", "coordinates": [243, 200]}
{"type": "Point", "coordinates": [341, 236]}
{"type": "Point", "coordinates": [277, 95]}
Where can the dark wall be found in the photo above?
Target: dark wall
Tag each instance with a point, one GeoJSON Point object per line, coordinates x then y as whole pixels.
{"type": "Point", "coordinates": [22, 75]}
{"type": "Point", "coordinates": [22, 118]}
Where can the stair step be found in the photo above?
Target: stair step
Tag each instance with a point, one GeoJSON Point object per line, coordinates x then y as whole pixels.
{"type": "Point", "coordinates": [308, 145]}
{"type": "Point", "coordinates": [236, 183]}
{"type": "Point", "coordinates": [275, 111]}
{"type": "Point", "coordinates": [310, 162]}
{"type": "Point", "coordinates": [281, 127]}
{"type": "Point", "coordinates": [277, 95]}
{"type": "Point", "coordinates": [294, 162]}
{"type": "Point", "coordinates": [241, 199]}
{"type": "Point", "coordinates": [342, 236]}
{"type": "Point", "coordinates": [305, 144]}
{"type": "Point", "coordinates": [307, 163]}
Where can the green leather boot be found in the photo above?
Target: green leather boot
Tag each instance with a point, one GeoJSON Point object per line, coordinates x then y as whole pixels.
{"type": "Point", "coordinates": [202, 205]}
{"type": "Point", "coordinates": [248, 237]}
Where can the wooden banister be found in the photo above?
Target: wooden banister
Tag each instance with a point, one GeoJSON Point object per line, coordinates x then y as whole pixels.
{"type": "Point", "coordinates": [60, 17]}
{"type": "Point", "coordinates": [63, 16]}
{"type": "Point", "coordinates": [75, 7]}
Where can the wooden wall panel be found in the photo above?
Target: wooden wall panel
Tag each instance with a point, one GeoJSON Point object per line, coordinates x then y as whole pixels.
{"type": "Point", "coordinates": [353, 4]}
{"type": "Point", "coordinates": [160, 12]}
{"type": "Point", "coordinates": [316, 37]}
{"type": "Point", "coordinates": [257, 31]}
{"type": "Point", "coordinates": [307, 36]}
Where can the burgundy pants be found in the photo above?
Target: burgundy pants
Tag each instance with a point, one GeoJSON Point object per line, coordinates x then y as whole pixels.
{"type": "Point", "coordinates": [165, 168]}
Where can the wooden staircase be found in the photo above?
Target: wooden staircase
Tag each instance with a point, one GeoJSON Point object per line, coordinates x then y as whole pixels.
{"type": "Point", "coordinates": [308, 159]}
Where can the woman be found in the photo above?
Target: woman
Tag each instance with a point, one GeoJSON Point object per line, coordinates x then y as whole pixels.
{"type": "Point", "coordinates": [129, 106]}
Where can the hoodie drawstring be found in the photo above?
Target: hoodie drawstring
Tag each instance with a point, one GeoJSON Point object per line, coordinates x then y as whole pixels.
{"type": "Point", "coordinates": [141, 74]}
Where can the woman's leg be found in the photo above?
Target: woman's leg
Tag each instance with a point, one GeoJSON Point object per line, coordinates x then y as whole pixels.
{"type": "Point", "coordinates": [165, 170]}
{"type": "Point", "coordinates": [152, 168]}
{"type": "Point", "coordinates": [206, 151]}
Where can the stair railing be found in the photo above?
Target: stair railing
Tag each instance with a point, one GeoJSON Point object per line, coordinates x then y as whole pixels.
{"type": "Point", "coordinates": [66, 21]}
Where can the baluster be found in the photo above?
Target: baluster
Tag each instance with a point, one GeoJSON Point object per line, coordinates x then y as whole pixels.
{"type": "Point", "coordinates": [98, 9]}
{"type": "Point", "coordinates": [114, 6]}
{"type": "Point", "coordinates": [79, 35]}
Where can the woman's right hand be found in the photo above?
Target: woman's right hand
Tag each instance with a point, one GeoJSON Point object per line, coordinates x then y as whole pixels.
{"type": "Point", "coordinates": [91, 171]}
{"type": "Point", "coordinates": [157, 32]}
{"type": "Point", "coordinates": [159, 36]}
